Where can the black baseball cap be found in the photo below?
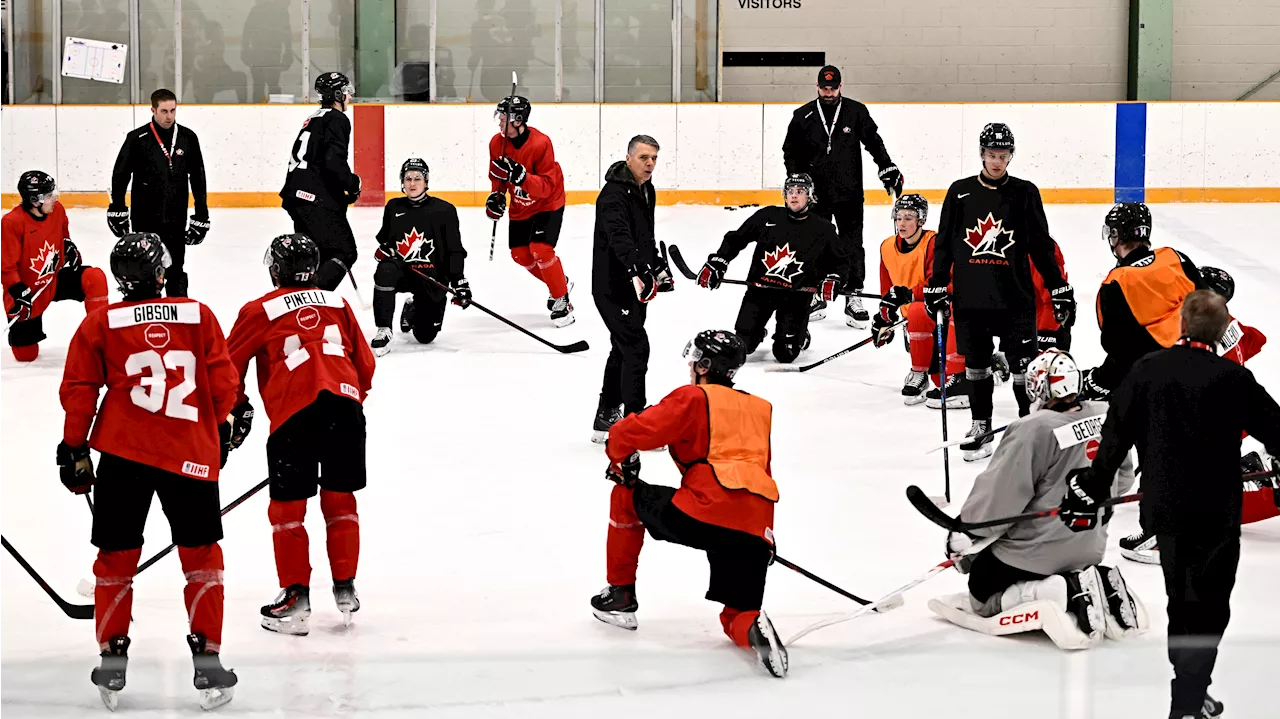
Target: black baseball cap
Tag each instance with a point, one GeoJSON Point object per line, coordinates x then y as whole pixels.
{"type": "Point", "coordinates": [829, 76]}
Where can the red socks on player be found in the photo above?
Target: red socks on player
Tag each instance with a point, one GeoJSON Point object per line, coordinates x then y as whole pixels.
{"type": "Point", "coordinates": [626, 537]}
{"type": "Point", "coordinates": [93, 282]}
{"type": "Point", "coordinates": [292, 548]}
{"type": "Point", "coordinates": [924, 345]}
{"type": "Point", "coordinates": [113, 593]}
{"type": "Point", "coordinates": [27, 353]}
{"type": "Point", "coordinates": [541, 261]}
{"type": "Point", "coordinates": [736, 625]}
{"type": "Point", "coordinates": [342, 532]}
{"type": "Point", "coordinates": [203, 593]}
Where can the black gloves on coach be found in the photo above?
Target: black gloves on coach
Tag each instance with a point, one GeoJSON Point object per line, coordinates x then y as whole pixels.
{"type": "Point", "coordinates": [197, 229]}
{"type": "Point", "coordinates": [118, 220]}
{"type": "Point", "coordinates": [893, 181]}
{"type": "Point", "coordinates": [1090, 389]}
{"type": "Point", "coordinates": [646, 285]}
{"type": "Point", "coordinates": [936, 299]}
{"type": "Point", "coordinates": [75, 467]}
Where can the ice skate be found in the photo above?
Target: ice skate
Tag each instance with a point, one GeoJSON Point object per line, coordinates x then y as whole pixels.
{"type": "Point", "coordinates": [568, 287]}
{"type": "Point", "coordinates": [289, 613]}
{"type": "Point", "coordinates": [768, 646]}
{"type": "Point", "coordinates": [977, 449]}
{"type": "Point", "coordinates": [215, 684]}
{"type": "Point", "coordinates": [616, 606]}
{"type": "Point", "coordinates": [817, 309]}
{"type": "Point", "coordinates": [406, 315]}
{"type": "Point", "coordinates": [345, 596]}
{"type": "Point", "coordinates": [1086, 601]}
{"type": "Point", "coordinates": [855, 315]}
{"type": "Point", "coordinates": [562, 312]}
{"type": "Point", "coordinates": [958, 390]}
{"type": "Point", "coordinates": [1212, 709]}
{"type": "Point", "coordinates": [381, 342]}
{"type": "Point", "coordinates": [110, 675]}
{"type": "Point", "coordinates": [605, 418]}
{"type": "Point", "coordinates": [913, 387]}
{"type": "Point", "coordinates": [1140, 547]}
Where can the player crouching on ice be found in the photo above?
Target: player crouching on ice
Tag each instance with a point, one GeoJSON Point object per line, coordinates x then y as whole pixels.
{"type": "Point", "coordinates": [42, 264]}
{"type": "Point", "coordinates": [1040, 574]}
{"type": "Point", "coordinates": [720, 439]}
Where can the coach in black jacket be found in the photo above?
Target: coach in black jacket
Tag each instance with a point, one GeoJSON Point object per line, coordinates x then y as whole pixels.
{"type": "Point", "coordinates": [626, 273]}
{"type": "Point", "coordinates": [161, 158]}
{"type": "Point", "coordinates": [1185, 408]}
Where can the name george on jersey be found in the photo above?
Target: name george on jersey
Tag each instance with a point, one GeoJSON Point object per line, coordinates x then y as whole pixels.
{"type": "Point", "coordinates": [183, 313]}
{"type": "Point", "coordinates": [284, 304]}
{"type": "Point", "coordinates": [1079, 431]}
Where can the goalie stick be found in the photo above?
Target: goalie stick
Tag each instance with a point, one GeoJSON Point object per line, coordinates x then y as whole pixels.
{"type": "Point", "coordinates": [689, 274]}
{"type": "Point", "coordinates": [579, 346]}
{"type": "Point", "coordinates": [925, 506]}
{"type": "Point", "coordinates": [819, 363]}
{"type": "Point", "coordinates": [75, 611]}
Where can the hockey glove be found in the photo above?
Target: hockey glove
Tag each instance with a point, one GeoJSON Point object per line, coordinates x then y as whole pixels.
{"type": "Point", "coordinates": [385, 252]}
{"type": "Point", "coordinates": [830, 287]}
{"type": "Point", "coordinates": [662, 273]}
{"type": "Point", "coordinates": [20, 310]}
{"type": "Point", "coordinates": [71, 259]}
{"type": "Point", "coordinates": [893, 181]}
{"type": "Point", "coordinates": [241, 423]}
{"type": "Point", "coordinates": [1080, 505]}
{"type": "Point", "coordinates": [118, 220]}
{"type": "Point", "coordinates": [1064, 305]}
{"type": "Point", "coordinates": [1090, 389]}
{"type": "Point", "coordinates": [75, 467]}
{"type": "Point", "coordinates": [461, 292]}
{"type": "Point", "coordinates": [353, 195]}
{"type": "Point", "coordinates": [882, 325]}
{"type": "Point", "coordinates": [505, 169]}
{"type": "Point", "coordinates": [645, 284]}
{"type": "Point", "coordinates": [898, 296]}
{"type": "Point", "coordinates": [197, 228]}
{"type": "Point", "coordinates": [495, 206]}
{"type": "Point", "coordinates": [936, 299]}
{"type": "Point", "coordinates": [712, 273]}
{"type": "Point", "coordinates": [958, 544]}
{"type": "Point", "coordinates": [626, 473]}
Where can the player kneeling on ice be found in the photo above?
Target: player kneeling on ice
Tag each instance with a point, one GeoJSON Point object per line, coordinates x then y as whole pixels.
{"type": "Point", "coordinates": [170, 386]}
{"type": "Point", "coordinates": [720, 439]}
{"type": "Point", "coordinates": [314, 371]}
{"type": "Point", "coordinates": [419, 239]}
{"type": "Point", "coordinates": [42, 265]}
{"type": "Point", "coordinates": [1040, 574]}
{"type": "Point", "coordinates": [795, 256]}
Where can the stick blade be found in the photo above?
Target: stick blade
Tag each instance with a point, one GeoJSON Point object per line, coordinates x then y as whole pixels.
{"type": "Point", "coordinates": [781, 368]}
{"type": "Point", "coordinates": [579, 346]}
{"type": "Point", "coordinates": [889, 604]}
{"type": "Point", "coordinates": [926, 506]}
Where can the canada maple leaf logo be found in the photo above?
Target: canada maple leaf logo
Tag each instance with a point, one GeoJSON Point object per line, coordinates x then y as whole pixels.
{"type": "Point", "coordinates": [782, 263]}
{"type": "Point", "coordinates": [989, 237]}
{"type": "Point", "coordinates": [415, 247]}
{"type": "Point", "coordinates": [44, 262]}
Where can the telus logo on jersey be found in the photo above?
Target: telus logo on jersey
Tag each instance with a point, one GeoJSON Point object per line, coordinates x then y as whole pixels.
{"type": "Point", "coordinates": [416, 247]}
{"type": "Point", "coordinates": [157, 336]}
{"type": "Point", "coordinates": [989, 238]}
{"type": "Point", "coordinates": [781, 263]}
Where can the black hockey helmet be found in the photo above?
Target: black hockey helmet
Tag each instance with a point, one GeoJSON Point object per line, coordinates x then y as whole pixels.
{"type": "Point", "coordinates": [995, 136]}
{"type": "Point", "coordinates": [719, 352]}
{"type": "Point", "coordinates": [915, 203]}
{"type": "Point", "coordinates": [34, 187]}
{"type": "Point", "coordinates": [802, 181]}
{"type": "Point", "coordinates": [516, 107]}
{"type": "Point", "coordinates": [415, 164]}
{"type": "Point", "coordinates": [138, 262]}
{"type": "Point", "coordinates": [333, 87]}
{"type": "Point", "coordinates": [293, 260]}
{"type": "Point", "coordinates": [1219, 281]}
{"type": "Point", "coordinates": [1127, 222]}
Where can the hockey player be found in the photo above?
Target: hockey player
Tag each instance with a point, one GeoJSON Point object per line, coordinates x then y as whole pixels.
{"type": "Point", "coordinates": [720, 439]}
{"type": "Point", "coordinates": [314, 371]}
{"type": "Point", "coordinates": [906, 259]}
{"type": "Point", "coordinates": [41, 264]}
{"type": "Point", "coordinates": [993, 229]}
{"type": "Point", "coordinates": [522, 162]}
{"type": "Point", "coordinates": [320, 184]}
{"type": "Point", "coordinates": [419, 238]}
{"type": "Point", "coordinates": [1050, 332]}
{"type": "Point", "coordinates": [170, 385]}
{"type": "Point", "coordinates": [795, 254]}
{"type": "Point", "coordinates": [1037, 574]}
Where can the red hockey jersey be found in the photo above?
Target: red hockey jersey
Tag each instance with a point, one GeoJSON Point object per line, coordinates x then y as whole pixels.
{"type": "Point", "coordinates": [306, 341]}
{"type": "Point", "coordinates": [169, 382]}
{"type": "Point", "coordinates": [1045, 321]}
{"type": "Point", "coordinates": [543, 187]}
{"type": "Point", "coordinates": [32, 251]}
{"type": "Point", "coordinates": [1241, 342]}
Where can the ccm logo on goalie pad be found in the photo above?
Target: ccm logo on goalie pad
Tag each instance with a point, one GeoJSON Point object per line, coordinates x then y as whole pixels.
{"type": "Point", "coordinates": [1011, 619]}
{"type": "Point", "coordinates": [1079, 431]}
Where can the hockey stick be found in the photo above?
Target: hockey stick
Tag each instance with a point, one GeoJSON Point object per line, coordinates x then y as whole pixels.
{"type": "Point", "coordinates": [579, 346]}
{"type": "Point", "coordinates": [689, 274]}
{"type": "Point", "coordinates": [917, 497]}
{"type": "Point", "coordinates": [941, 319]}
{"type": "Point", "coordinates": [841, 353]}
{"type": "Point", "coordinates": [883, 606]}
{"type": "Point", "coordinates": [962, 440]}
{"type": "Point", "coordinates": [363, 305]}
{"type": "Point", "coordinates": [493, 236]}
{"type": "Point", "coordinates": [51, 259]}
{"type": "Point", "coordinates": [75, 611]}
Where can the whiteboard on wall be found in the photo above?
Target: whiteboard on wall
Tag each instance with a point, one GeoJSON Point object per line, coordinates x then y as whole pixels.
{"type": "Point", "coordinates": [94, 60]}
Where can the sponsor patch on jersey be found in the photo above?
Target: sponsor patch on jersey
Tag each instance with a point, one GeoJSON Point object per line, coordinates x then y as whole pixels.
{"type": "Point", "coordinates": [349, 390]}
{"type": "Point", "coordinates": [1231, 337]}
{"type": "Point", "coordinates": [284, 304]}
{"type": "Point", "coordinates": [182, 313]}
{"type": "Point", "coordinates": [196, 470]}
{"type": "Point", "coordinates": [304, 195]}
{"type": "Point", "coordinates": [157, 335]}
{"type": "Point", "coordinates": [1079, 431]}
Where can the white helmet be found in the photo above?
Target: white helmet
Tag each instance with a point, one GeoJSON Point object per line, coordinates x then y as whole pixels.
{"type": "Point", "coordinates": [1052, 375]}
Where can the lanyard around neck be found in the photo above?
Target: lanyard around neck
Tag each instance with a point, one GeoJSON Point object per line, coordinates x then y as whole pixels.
{"type": "Point", "coordinates": [1188, 342]}
{"type": "Point", "coordinates": [173, 143]}
{"type": "Point", "coordinates": [835, 118]}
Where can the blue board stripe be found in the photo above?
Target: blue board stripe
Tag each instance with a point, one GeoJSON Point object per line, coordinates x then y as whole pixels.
{"type": "Point", "coordinates": [1131, 151]}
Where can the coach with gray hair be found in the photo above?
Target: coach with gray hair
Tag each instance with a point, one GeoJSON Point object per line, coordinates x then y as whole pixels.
{"type": "Point", "coordinates": [1185, 408]}
{"type": "Point", "coordinates": [627, 272]}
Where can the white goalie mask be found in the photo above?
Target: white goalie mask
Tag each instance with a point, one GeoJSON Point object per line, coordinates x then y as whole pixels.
{"type": "Point", "coordinates": [1052, 375]}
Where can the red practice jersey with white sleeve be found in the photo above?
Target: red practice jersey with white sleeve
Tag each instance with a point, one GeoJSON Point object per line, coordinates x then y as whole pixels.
{"type": "Point", "coordinates": [543, 187]}
{"type": "Point", "coordinates": [1241, 342]}
{"type": "Point", "coordinates": [33, 253]}
{"type": "Point", "coordinates": [169, 382]}
{"type": "Point", "coordinates": [306, 341]}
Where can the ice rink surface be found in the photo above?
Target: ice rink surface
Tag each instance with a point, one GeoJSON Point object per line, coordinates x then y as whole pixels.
{"type": "Point", "coordinates": [483, 525]}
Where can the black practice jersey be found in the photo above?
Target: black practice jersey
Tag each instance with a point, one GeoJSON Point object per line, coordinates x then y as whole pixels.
{"type": "Point", "coordinates": [424, 234]}
{"type": "Point", "coordinates": [318, 171]}
{"type": "Point", "coordinates": [792, 253]}
{"type": "Point", "coordinates": [988, 236]}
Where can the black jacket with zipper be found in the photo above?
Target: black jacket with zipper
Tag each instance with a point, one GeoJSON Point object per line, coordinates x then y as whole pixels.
{"type": "Point", "coordinates": [624, 234]}
{"type": "Point", "coordinates": [837, 172]}
{"type": "Point", "coordinates": [159, 193]}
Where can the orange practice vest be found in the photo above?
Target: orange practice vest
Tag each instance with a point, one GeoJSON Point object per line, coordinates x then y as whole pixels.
{"type": "Point", "coordinates": [1155, 292]}
{"type": "Point", "coordinates": [739, 448]}
{"type": "Point", "coordinates": [906, 269]}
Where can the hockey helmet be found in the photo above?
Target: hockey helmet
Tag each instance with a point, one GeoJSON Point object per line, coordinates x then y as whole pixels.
{"type": "Point", "coordinates": [913, 202]}
{"type": "Point", "coordinates": [138, 262]}
{"type": "Point", "coordinates": [292, 260]}
{"type": "Point", "coordinates": [1219, 281]}
{"type": "Point", "coordinates": [1052, 375]}
{"type": "Point", "coordinates": [333, 87]}
{"type": "Point", "coordinates": [1127, 222]}
{"type": "Point", "coordinates": [34, 187]}
{"type": "Point", "coordinates": [996, 136]}
{"type": "Point", "coordinates": [801, 181]}
{"type": "Point", "coordinates": [516, 107]}
{"type": "Point", "coordinates": [719, 352]}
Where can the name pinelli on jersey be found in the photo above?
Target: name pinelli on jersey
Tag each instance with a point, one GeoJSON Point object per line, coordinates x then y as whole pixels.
{"type": "Point", "coordinates": [278, 306]}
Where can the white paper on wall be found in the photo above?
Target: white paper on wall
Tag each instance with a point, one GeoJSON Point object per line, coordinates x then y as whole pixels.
{"type": "Point", "coordinates": [94, 60]}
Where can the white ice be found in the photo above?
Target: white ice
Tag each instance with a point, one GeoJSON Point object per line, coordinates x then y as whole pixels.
{"type": "Point", "coordinates": [483, 525]}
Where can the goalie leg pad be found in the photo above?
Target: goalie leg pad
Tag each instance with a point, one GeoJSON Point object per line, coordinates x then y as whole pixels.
{"type": "Point", "coordinates": [1033, 605]}
{"type": "Point", "coordinates": [1126, 614]}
